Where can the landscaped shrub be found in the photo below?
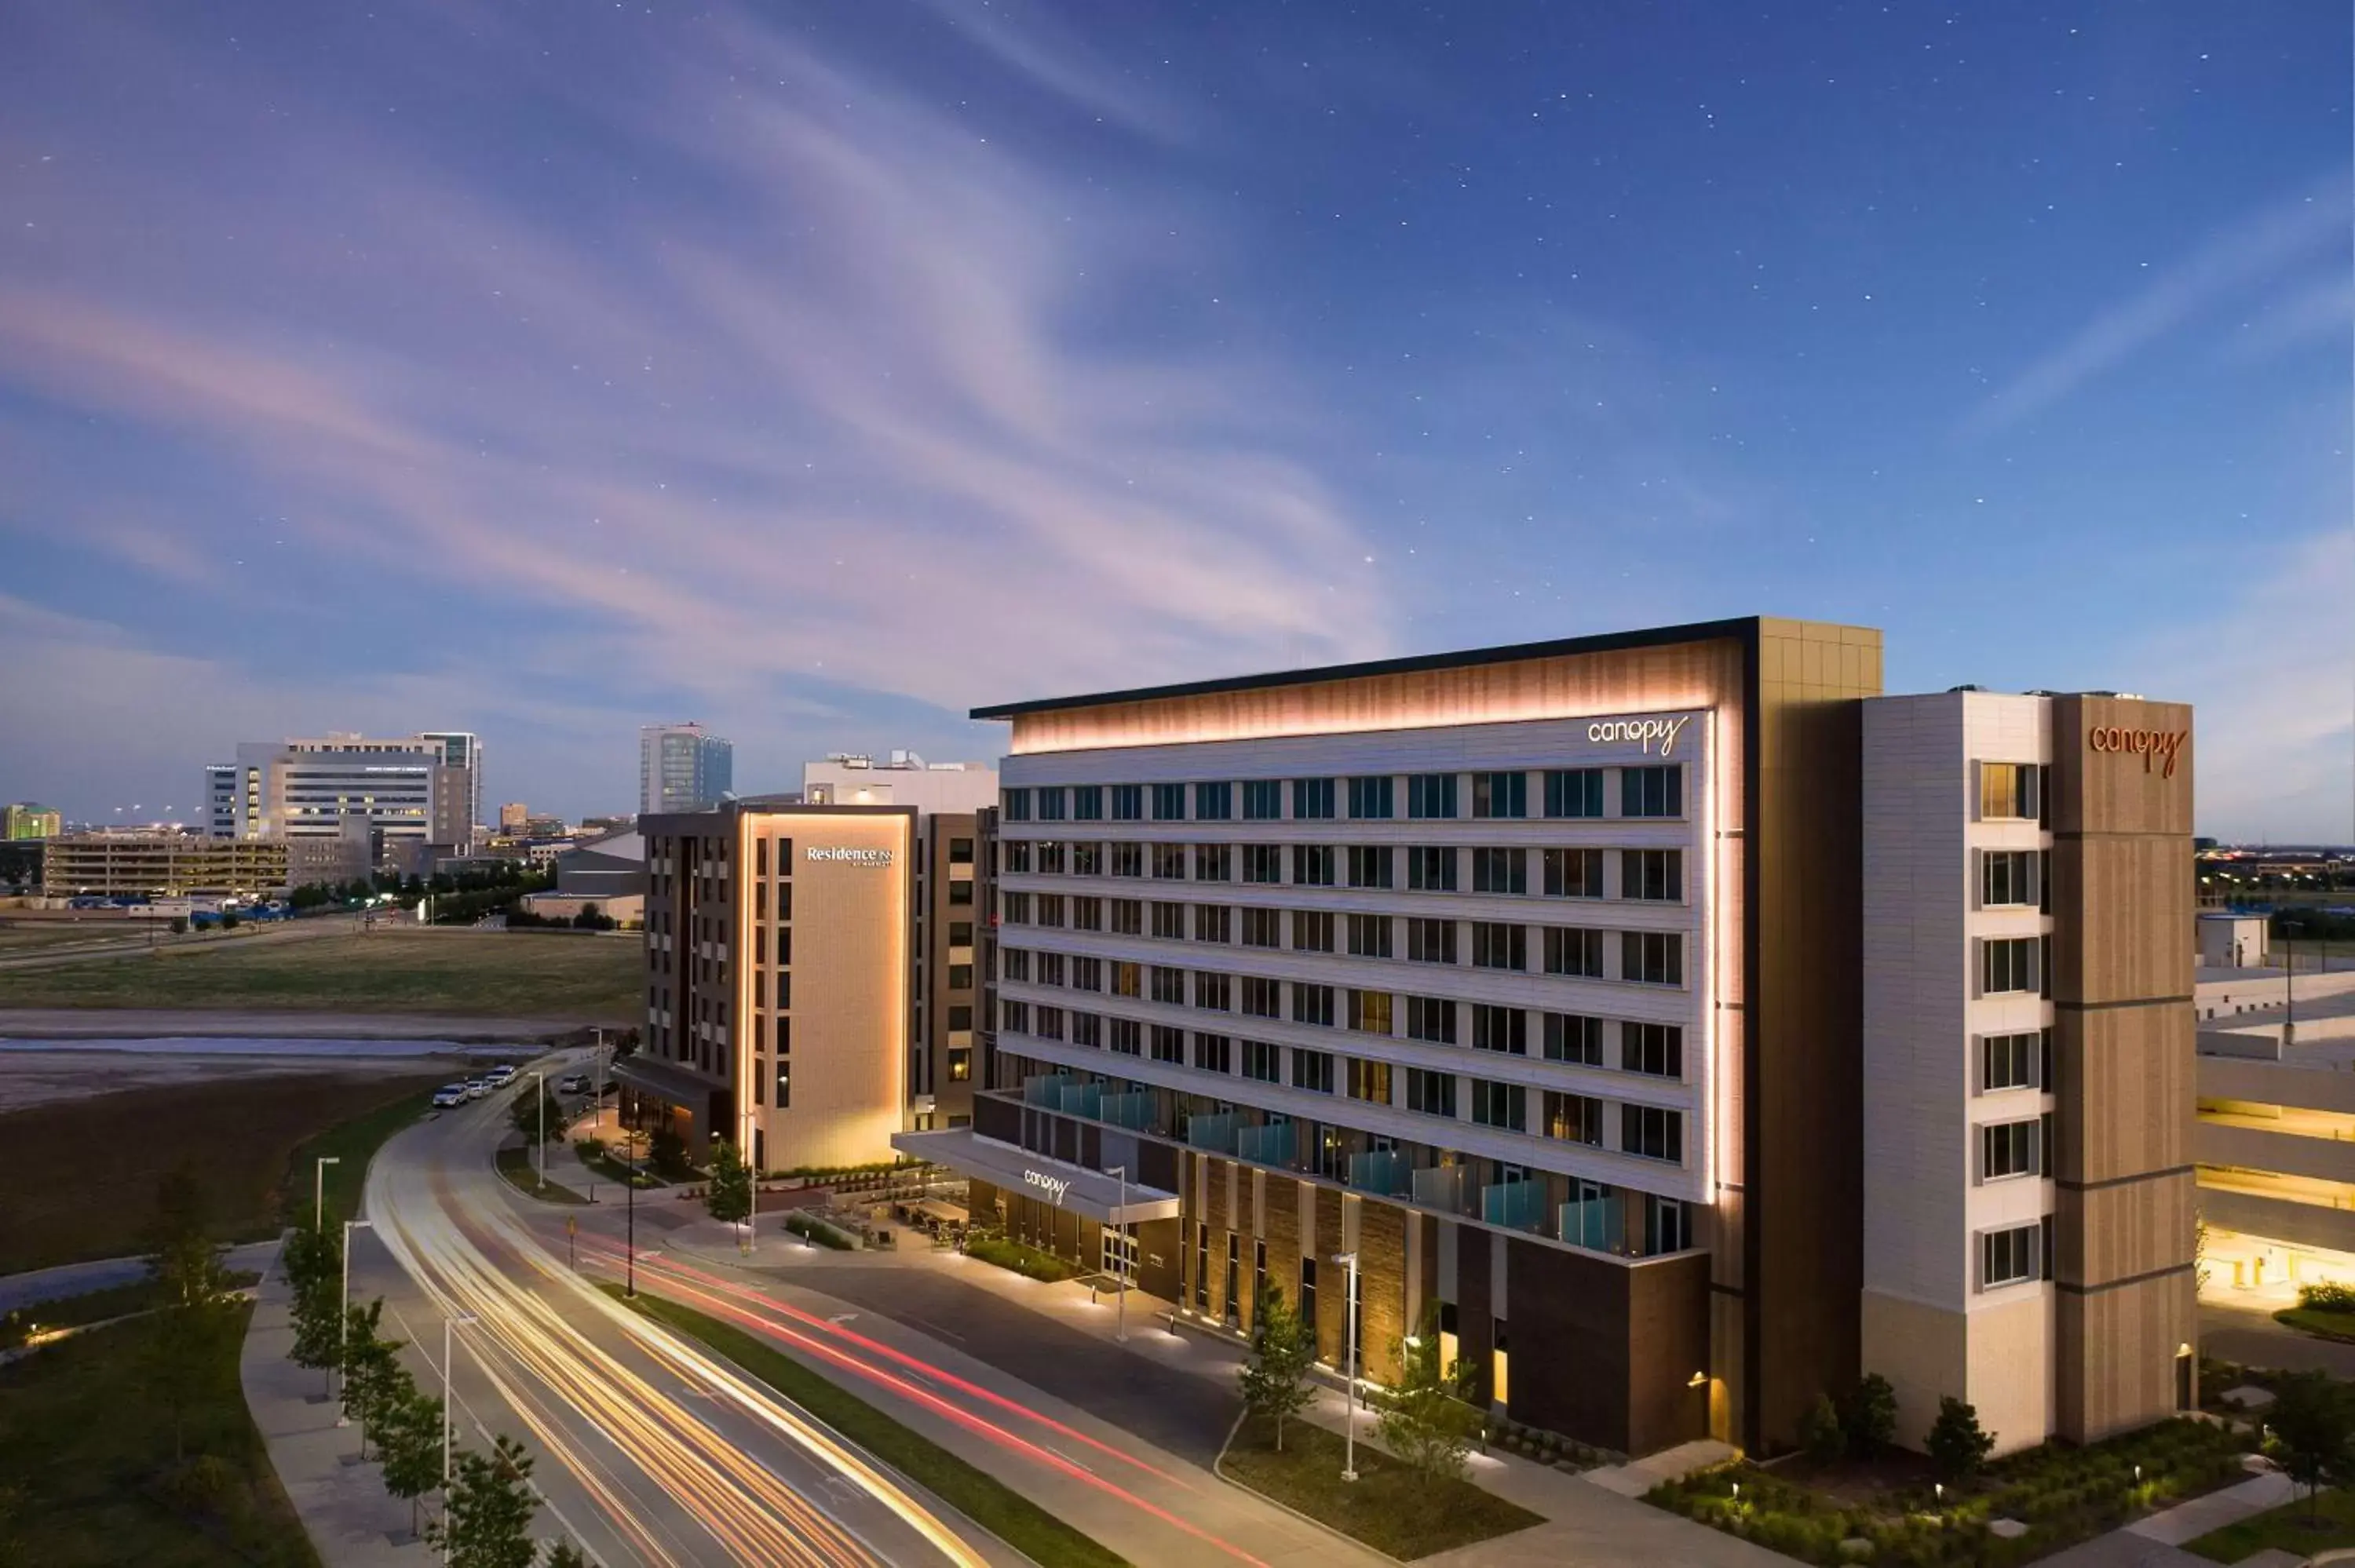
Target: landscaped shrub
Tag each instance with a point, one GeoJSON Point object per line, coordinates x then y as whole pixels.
{"type": "Point", "coordinates": [810, 1228]}
{"type": "Point", "coordinates": [1024, 1260]}
{"type": "Point", "coordinates": [2327, 1296]}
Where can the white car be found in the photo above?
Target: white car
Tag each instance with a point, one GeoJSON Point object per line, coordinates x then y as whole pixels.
{"type": "Point", "coordinates": [572, 1084]}
{"type": "Point", "coordinates": [477, 1086]}
{"type": "Point", "coordinates": [501, 1076]}
{"type": "Point", "coordinates": [450, 1094]}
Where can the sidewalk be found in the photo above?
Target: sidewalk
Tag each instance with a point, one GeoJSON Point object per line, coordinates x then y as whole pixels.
{"type": "Point", "coordinates": [101, 1274]}
{"type": "Point", "coordinates": [352, 1521]}
{"type": "Point", "coordinates": [2214, 1510]}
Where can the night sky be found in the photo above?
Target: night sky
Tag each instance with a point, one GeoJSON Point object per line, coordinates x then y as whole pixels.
{"type": "Point", "coordinates": [819, 370]}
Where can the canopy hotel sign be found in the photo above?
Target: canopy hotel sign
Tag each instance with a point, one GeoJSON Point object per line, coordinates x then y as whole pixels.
{"type": "Point", "coordinates": [1641, 731]}
{"type": "Point", "coordinates": [2161, 743]}
{"type": "Point", "coordinates": [1053, 1186]}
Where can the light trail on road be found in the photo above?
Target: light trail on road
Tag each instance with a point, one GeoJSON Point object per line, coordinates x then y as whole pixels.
{"type": "Point", "coordinates": [749, 1512]}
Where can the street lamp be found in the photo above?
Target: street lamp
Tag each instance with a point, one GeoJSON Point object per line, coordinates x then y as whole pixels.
{"type": "Point", "coordinates": [344, 1316]}
{"type": "Point", "coordinates": [1120, 1227]}
{"type": "Point", "coordinates": [449, 1422]}
{"type": "Point", "coordinates": [2289, 985]}
{"type": "Point", "coordinates": [319, 1190]}
{"type": "Point", "coordinates": [1348, 1260]}
{"type": "Point", "coordinates": [540, 1080]}
{"type": "Point", "coordinates": [630, 1145]}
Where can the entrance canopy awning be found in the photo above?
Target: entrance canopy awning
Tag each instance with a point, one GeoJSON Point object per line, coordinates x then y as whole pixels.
{"type": "Point", "coordinates": [666, 1083]}
{"type": "Point", "coordinates": [1056, 1182]}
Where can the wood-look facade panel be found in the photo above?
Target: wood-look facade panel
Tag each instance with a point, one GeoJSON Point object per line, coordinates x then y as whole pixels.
{"type": "Point", "coordinates": [2125, 1080]}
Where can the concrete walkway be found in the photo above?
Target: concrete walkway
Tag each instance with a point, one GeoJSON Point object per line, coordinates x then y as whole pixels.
{"type": "Point", "coordinates": [104, 1274]}
{"type": "Point", "coordinates": [2214, 1510]}
{"type": "Point", "coordinates": [352, 1521]}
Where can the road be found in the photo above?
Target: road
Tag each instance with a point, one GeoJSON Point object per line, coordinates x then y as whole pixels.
{"type": "Point", "coordinates": [651, 1451]}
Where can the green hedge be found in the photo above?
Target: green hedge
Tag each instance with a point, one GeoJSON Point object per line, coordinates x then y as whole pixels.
{"type": "Point", "coordinates": [1022, 1259]}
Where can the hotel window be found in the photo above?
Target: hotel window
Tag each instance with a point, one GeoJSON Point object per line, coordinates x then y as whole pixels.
{"type": "Point", "coordinates": [1573, 950]}
{"type": "Point", "coordinates": [1018, 908]}
{"type": "Point", "coordinates": [1501, 871]}
{"type": "Point", "coordinates": [1652, 1132]}
{"type": "Point", "coordinates": [1263, 927]}
{"type": "Point", "coordinates": [1500, 794]}
{"type": "Point", "coordinates": [2011, 1256]}
{"type": "Point", "coordinates": [1657, 874]}
{"type": "Point", "coordinates": [1369, 1011]}
{"type": "Point", "coordinates": [1016, 855]}
{"type": "Point", "coordinates": [1504, 1029]}
{"type": "Point", "coordinates": [1169, 985]}
{"type": "Point", "coordinates": [1311, 864]}
{"type": "Point", "coordinates": [961, 893]}
{"type": "Point", "coordinates": [1573, 873]}
{"type": "Point", "coordinates": [784, 1100]}
{"type": "Point", "coordinates": [1050, 857]}
{"type": "Point", "coordinates": [1018, 805]}
{"type": "Point", "coordinates": [1432, 1093]}
{"type": "Point", "coordinates": [2011, 791]}
{"type": "Point", "coordinates": [2008, 964]}
{"type": "Point", "coordinates": [1573, 792]}
{"type": "Point", "coordinates": [1312, 1070]}
{"type": "Point", "coordinates": [1087, 802]}
{"type": "Point", "coordinates": [960, 977]}
{"type": "Point", "coordinates": [1170, 802]}
{"type": "Point", "coordinates": [1430, 795]}
{"type": "Point", "coordinates": [2011, 1061]}
{"type": "Point", "coordinates": [1431, 1018]}
{"type": "Point", "coordinates": [1213, 923]}
{"type": "Point", "coordinates": [1214, 862]}
{"type": "Point", "coordinates": [1370, 1081]}
{"type": "Point", "coordinates": [1087, 914]}
{"type": "Point", "coordinates": [2011, 879]}
{"type": "Point", "coordinates": [1308, 1291]}
{"type": "Point", "coordinates": [1264, 863]}
{"type": "Point", "coordinates": [1499, 1104]}
{"type": "Point", "coordinates": [960, 1018]}
{"type": "Point", "coordinates": [1656, 1050]}
{"type": "Point", "coordinates": [1369, 865]}
{"type": "Point", "coordinates": [960, 1067]}
{"type": "Point", "coordinates": [1128, 860]}
{"type": "Point", "coordinates": [1014, 1017]}
{"type": "Point", "coordinates": [1262, 1062]}
{"type": "Point", "coordinates": [1497, 945]}
{"type": "Point", "coordinates": [1087, 974]}
{"type": "Point", "coordinates": [1214, 1053]}
{"type": "Point", "coordinates": [1312, 930]}
{"type": "Point", "coordinates": [2008, 1149]}
{"type": "Point", "coordinates": [1652, 957]}
{"type": "Point", "coordinates": [1051, 969]}
{"type": "Point", "coordinates": [1128, 917]}
{"type": "Point", "coordinates": [1667, 1226]}
{"type": "Point", "coordinates": [1087, 858]}
{"type": "Point", "coordinates": [1017, 963]}
{"type": "Point", "coordinates": [1169, 921]}
{"type": "Point", "coordinates": [1262, 998]}
{"type": "Point", "coordinates": [1051, 1023]}
{"type": "Point", "coordinates": [1127, 1036]}
{"type": "Point", "coordinates": [1430, 868]}
{"type": "Point", "coordinates": [1213, 991]}
{"type": "Point", "coordinates": [1051, 909]}
{"type": "Point", "coordinates": [1430, 941]}
{"type": "Point", "coordinates": [1214, 802]}
{"type": "Point", "coordinates": [1168, 1044]}
{"type": "Point", "coordinates": [1573, 1037]}
{"type": "Point", "coordinates": [960, 932]}
{"type": "Point", "coordinates": [1169, 862]}
{"type": "Point", "coordinates": [1051, 804]}
{"type": "Point", "coordinates": [960, 852]}
{"type": "Point", "coordinates": [1311, 798]}
{"type": "Point", "coordinates": [1312, 1004]}
{"type": "Point", "coordinates": [1369, 936]}
{"type": "Point", "coordinates": [1127, 803]}
{"type": "Point", "coordinates": [1263, 799]}
{"type": "Point", "coordinates": [1370, 800]}
{"type": "Point", "coordinates": [1652, 791]}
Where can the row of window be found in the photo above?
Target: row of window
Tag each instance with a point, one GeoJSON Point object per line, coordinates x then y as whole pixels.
{"type": "Point", "coordinates": [2016, 1254]}
{"type": "Point", "coordinates": [2015, 965]}
{"type": "Point", "coordinates": [1645, 958]}
{"type": "Point", "coordinates": [1561, 792]}
{"type": "Point", "coordinates": [2009, 1148]}
{"type": "Point", "coordinates": [1656, 1050]}
{"type": "Point", "coordinates": [1656, 875]}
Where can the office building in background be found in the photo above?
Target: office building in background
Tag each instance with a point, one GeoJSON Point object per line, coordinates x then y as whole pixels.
{"type": "Point", "coordinates": [681, 768]}
{"type": "Point", "coordinates": [405, 790]}
{"type": "Point", "coordinates": [514, 817]}
{"type": "Point", "coordinates": [29, 819]}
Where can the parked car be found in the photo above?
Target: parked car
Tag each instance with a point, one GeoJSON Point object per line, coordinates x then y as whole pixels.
{"type": "Point", "coordinates": [501, 1076]}
{"type": "Point", "coordinates": [572, 1084]}
{"type": "Point", "coordinates": [450, 1094]}
{"type": "Point", "coordinates": [477, 1086]}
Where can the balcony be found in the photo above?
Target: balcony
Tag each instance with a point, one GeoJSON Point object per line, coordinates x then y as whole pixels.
{"type": "Point", "coordinates": [1441, 1187]}
{"type": "Point", "coordinates": [1517, 1205]}
{"type": "Point", "coordinates": [1269, 1145]}
{"type": "Point", "coordinates": [1133, 1110]}
{"type": "Point", "coordinates": [1045, 1090]}
{"type": "Point", "coordinates": [1381, 1171]}
{"type": "Point", "coordinates": [1215, 1132]}
{"type": "Point", "coordinates": [1596, 1223]}
{"type": "Point", "coordinates": [1082, 1099]}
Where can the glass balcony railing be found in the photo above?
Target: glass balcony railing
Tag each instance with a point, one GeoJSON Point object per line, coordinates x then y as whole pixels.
{"type": "Point", "coordinates": [1440, 1187]}
{"type": "Point", "coordinates": [1133, 1110]}
{"type": "Point", "coordinates": [1594, 1224]}
{"type": "Point", "coordinates": [1518, 1205]}
{"type": "Point", "coordinates": [1215, 1132]}
{"type": "Point", "coordinates": [1044, 1088]}
{"type": "Point", "coordinates": [1383, 1171]}
{"type": "Point", "coordinates": [1269, 1145]}
{"type": "Point", "coordinates": [1082, 1099]}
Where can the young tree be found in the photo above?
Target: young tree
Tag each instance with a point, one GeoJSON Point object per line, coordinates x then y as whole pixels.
{"type": "Point", "coordinates": [531, 1114]}
{"type": "Point", "coordinates": [1870, 1416]}
{"type": "Point", "coordinates": [182, 1359]}
{"type": "Point", "coordinates": [564, 1554]}
{"type": "Point", "coordinates": [1819, 1431]}
{"type": "Point", "coordinates": [667, 1150]}
{"type": "Point", "coordinates": [2313, 1425]}
{"type": "Point", "coordinates": [1957, 1445]}
{"type": "Point", "coordinates": [1426, 1420]}
{"type": "Point", "coordinates": [486, 1521]}
{"type": "Point", "coordinates": [319, 1322]}
{"type": "Point", "coordinates": [409, 1440]}
{"type": "Point", "coordinates": [373, 1379]}
{"type": "Point", "coordinates": [729, 1196]}
{"type": "Point", "coordinates": [1283, 1350]}
{"type": "Point", "coordinates": [183, 1259]}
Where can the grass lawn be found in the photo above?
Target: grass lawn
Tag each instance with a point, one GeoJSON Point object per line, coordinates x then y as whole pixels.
{"type": "Point", "coordinates": [89, 1166]}
{"type": "Point", "coordinates": [2285, 1526]}
{"type": "Point", "coordinates": [2312, 1321]}
{"type": "Point", "coordinates": [88, 1457]}
{"type": "Point", "coordinates": [522, 1174]}
{"type": "Point", "coordinates": [491, 974]}
{"type": "Point", "coordinates": [980, 1496]}
{"type": "Point", "coordinates": [23, 940]}
{"type": "Point", "coordinates": [1388, 1506]}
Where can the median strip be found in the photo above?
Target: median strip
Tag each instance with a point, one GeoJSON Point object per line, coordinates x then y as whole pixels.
{"type": "Point", "coordinates": [974, 1492]}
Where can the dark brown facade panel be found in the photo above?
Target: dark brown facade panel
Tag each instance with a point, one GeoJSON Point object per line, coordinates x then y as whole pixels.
{"type": "Point", "coordinates": [2119, 1354]}
{"type": "Point", "coordinates": [2124, 1085]}
{"type": "Point", "coordinates": [2102, 788]}
{"type": "Point", "coordinates": [1476, 1321]}
{"type": "Point", "coordinates": [2131, 899]}
{"type": "Point", "coordinates": [2127, 1231]}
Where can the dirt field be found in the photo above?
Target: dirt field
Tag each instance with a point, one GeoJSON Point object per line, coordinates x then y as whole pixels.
{"type": "Point", "coordinates": [29, 1078]}
{"type": "Point", "coordinates": [509, 974]}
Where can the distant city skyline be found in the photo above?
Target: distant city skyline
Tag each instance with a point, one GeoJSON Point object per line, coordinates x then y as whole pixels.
{"type": "Point", "coordinates": [824, 375]}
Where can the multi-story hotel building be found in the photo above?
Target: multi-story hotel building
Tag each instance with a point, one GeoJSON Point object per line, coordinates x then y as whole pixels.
{"type": "Point", "coordinates": [1526, 978]}
{"type": "Point", "coordinates": [2028, 1060]}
